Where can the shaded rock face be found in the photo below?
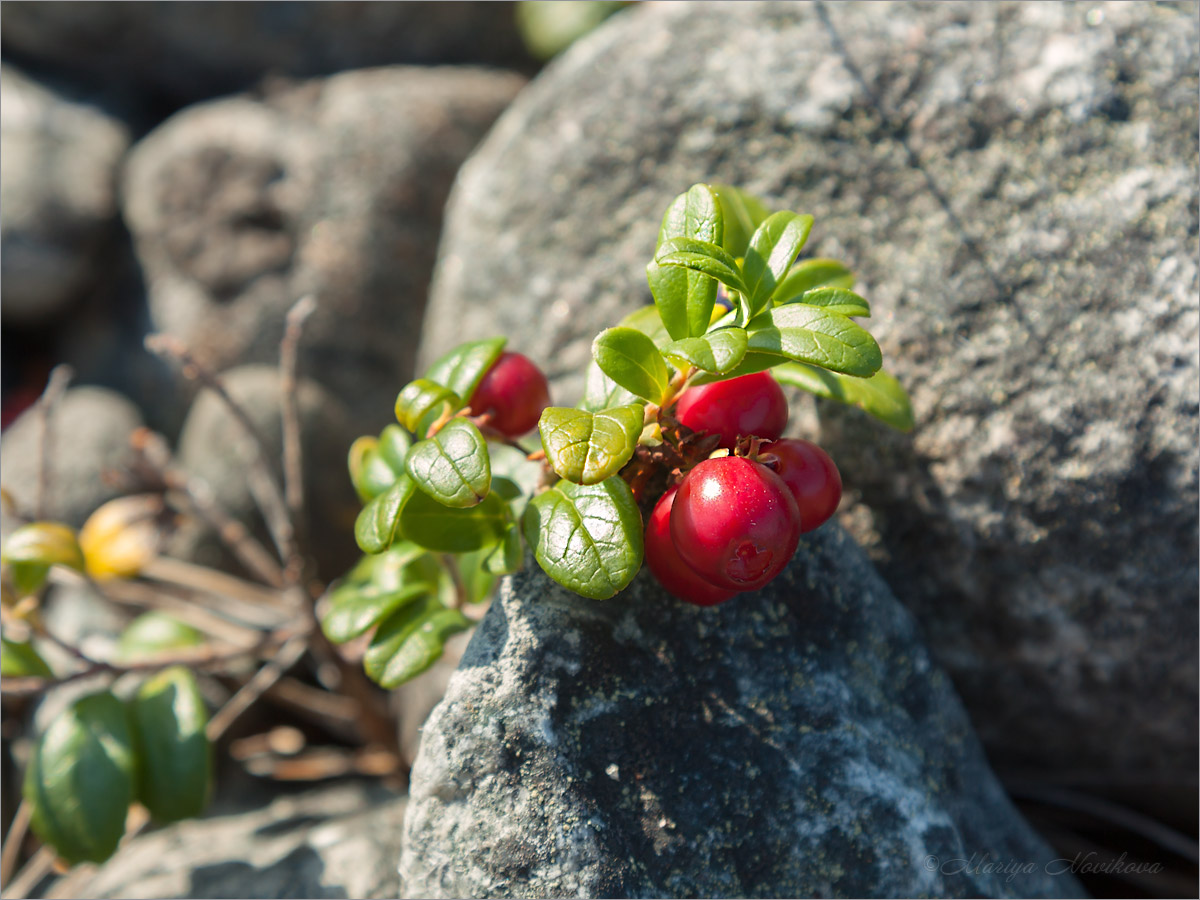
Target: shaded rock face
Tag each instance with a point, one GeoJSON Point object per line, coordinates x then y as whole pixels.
{"type": "Point", "coordinates": [334, 188]}
{"type": "Point", "coordinates": [1016, 187]}
{"type": "Point", "coordinates": [58, 206]}
{"type": "Point", "coordinates": [793, 742]}
{"type": "Point", "coordinates": [190, 51]}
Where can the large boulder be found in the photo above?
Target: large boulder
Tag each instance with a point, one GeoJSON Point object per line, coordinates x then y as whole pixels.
{"type": "Point", "coordinates": [1016, 186]}
{"type": "Point", "coordinates": [58, 197]}
{"type": "Point", "coordinates": [181, 52]}
{"type": "Point", "coordinates": [794, 742]}
{"type": "Point", "coordinates": [333, 188]}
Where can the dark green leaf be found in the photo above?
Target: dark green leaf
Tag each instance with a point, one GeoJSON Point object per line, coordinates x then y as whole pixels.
{"type": "Point", "coordinates": [444, 529]}
{"type": "Point", "coordinates": [587, 538]}
{"type": "Point", "coordinates": [700, 256]}
{"type": "Point", "coordinates": [743, 213]}
{"type": "Point", "coordinates": [588, 447]}
{"type": "Point", "coordinates": [79, 782]}
{"type": "Point", "coordinates": [410, 641]}
{"type": "Point", "coordinates": [463, 368]}
{"type": "Point", "coordinates": [507, 556]}
{"type": "Point", "coordinates": [353, 608]}
{"type": "Point", "coordinates": [20, 660]}
{"type": "Point", "coordinates": [880, 395]}
{"type": "Point", "coordinates": [378, 523]}
{"type": "Point", "coordinates": [813, 335]}
{"type": "Point", "coordinates": [773, 248]}
{"type": "Point", "coordinates": [685, 298]}
{"type": "Point", "coordinates": [630, 359]}
{"type": "Point", "coordinates": [836, 300]}
{"type": "Point", "coordinates": [718, 351]}
{"type": "Point", "coordinates": [376, 463]}
{"type": "Point", "coordinates": [394, 444]}
{"type": "Point", "coordinates": [810, 274]}
{"type": "Point", "coordinates": [155, 634]}
{"type": "Point", "coordinates": [751, 363]}
{"type": "Point", "coordinates": [33, 548]}
{"type": "Point", "coordinates": [421, 402]}
{"type": "Point", "coordinates": [453, 466]}
{"type": "Point", "coordinates": [174, 771]}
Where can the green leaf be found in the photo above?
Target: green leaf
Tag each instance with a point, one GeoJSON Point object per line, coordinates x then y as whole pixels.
{"type": "Point", "coordinates": [586, 447]}
{"type": "Point", "coordinates": [718, 351]}
{"type": "Point", "coordinates": [410, 641]}
{"type": "Point", "coordinates": [394, 444]}
{"type": "Point", "coordinates": [32, 549]}
{"type": "Point", "coordinates": [421, 402]}
{"type": "Point", "coordinates": [601, 392]}
{"type": "Point", "coordinates": [742, 213]}
{"type": "Point", "coordinates": [685, 298]}
{"type": "Point", "coordinates": [773, 248]}
{"type": "Point", "coordinates": [453, 466]}
{"type": "Point", "coordinates": [881, 395]}
{"type": "Point", "coordinates": [630, 359]}
{"type": "Point", "coordinates": [813, 335]}
{"type": "Point", "coordinates": [378, 523]}
{"type": "Point", "coordinates": [751, 363]}
{"type": "Point", "coordinates": [836, 300]}
{"type": "Point", "coordinates": [700, 256]}
{"type": "Point", "coordinates": [507, 556]}
{"type": "Point", "coordinates": [353, 609]}
{"type": "Point", "coordinates": [20, 660]}
{"type": "Point", "coordinates": [463, 368]}
{"type": "Point", "coordinates": [156, 634]}
{"type": "Point", "coordinates": [647, 320]}
{"type": "Point", "coordinates": [79, 782]}
{"type": "Point", "coordinates": [174, 771]}
{"type": "Point", "coordinates": [587, 538]}
{"type": "Point", "coordinates": [445, 529]}
{"type": "Point", "coordinates": [810, 274]}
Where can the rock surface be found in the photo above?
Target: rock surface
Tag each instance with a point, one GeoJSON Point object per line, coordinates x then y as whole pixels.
{"type": "Point", "coordinates": [213, 445]}
{"type": "Point", "coordinates": [58, 207]}
{"type": "Point", "coordinates": [333, 188]}
{"type": "Point", "coordinates": [190, 51]}
{"type": "Point", "coordinates": [1016, 186]}
{"type": "Point", "coordinates": [794, 742]}
{"type": "Point", "coordinates": [338, 841]}
{"type": "Point", "coordinates": [89, 435]}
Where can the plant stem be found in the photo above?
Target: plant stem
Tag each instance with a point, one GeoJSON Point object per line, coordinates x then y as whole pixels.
{"type": "Point", "coordinates": [11, 853]}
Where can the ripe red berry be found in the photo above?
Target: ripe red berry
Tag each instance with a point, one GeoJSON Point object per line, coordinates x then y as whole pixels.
{"type": "Point", "coordinates": [515, 392]}
{"type": "Point", "coordinates": [735, 523]}
{"type": "Point", "coordinates": [812, 478]}
{"type": "Point", "coordinates": [749, 405]}
{"type": "Point", "coordinates": [676, 576]}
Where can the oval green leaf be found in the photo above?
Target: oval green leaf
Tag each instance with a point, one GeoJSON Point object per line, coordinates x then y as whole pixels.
{"type": "Point", "coordinates": [410, 641]}
{"type": "Point", "coordinates": [881, 395]}
{"type": "Point", "coordinates": [586, 447]}
{"type": "Point", "coordinates": [587, 538]}
{"type": "Point", "coordinates": [816, 336]}
{"type": "Point", "coordinates": [463, 368]}
{"type": "Point", "coordinates": [836, 300]}
{"type": "Point", "coordinates": [685, 298]}
{"type": "Point", "coordinates": [718, 351]}
{"type": "Point", "coordinates": [630, 359]}
{"type": "Point", "coordinates": [156, 634]}
{"type": "Point", "coordinates": [174, 771]}
{"type": "Point", "coordinates": [742, 213]}
{"type": "Point", "coordinates": [445, 529]}
{"type": "Point", "coordinates": [379, 521]}
{"type": "Point", "coordinates": [810, 274]}
{"type": "Point", "coordinates": [751, 363]}
{"type": "Point", "coordinates": [18, 659]}
{"type": "Point", "coordinates": [773, 248]}
{"type": "Point", "coordinates": [356, 605]}
{"type": "Point", "coordinates": [421, 402]}
{"type": "Point", "coordinates": [700, 256]}
{"type": "Point", "coordinates": [79, 782]}
{"type": "Point", "coordinates": [453, 466]}
{"type": "Point", "coordinates": [601, 392]}
{"type": "Point", "coordinates": [647, 320]}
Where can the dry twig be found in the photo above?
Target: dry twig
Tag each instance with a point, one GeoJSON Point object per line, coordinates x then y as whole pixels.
{"type": "Point", "coordinates": [56, 386]}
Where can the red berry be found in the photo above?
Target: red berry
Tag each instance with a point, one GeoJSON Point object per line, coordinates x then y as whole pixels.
{"type": "Point", "coordinates": [735, 522]}
{"type": "Point", "coordinates": [812, 478]}
{"type": "Point", "coordinates": [668, 567]}
{"type": "Point", "coordinates": [749, 405]}
{"type": "Point", "coordinates": [515, 392]}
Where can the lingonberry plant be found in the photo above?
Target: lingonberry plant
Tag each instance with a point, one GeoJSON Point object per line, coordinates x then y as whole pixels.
{"type": "Point", "coordinates": [682, 418]}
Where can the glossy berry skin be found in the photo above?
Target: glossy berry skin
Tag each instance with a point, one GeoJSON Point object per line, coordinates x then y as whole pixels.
{"type": "Point", "coordinates": [515, 392]}
{"type": "Point", "coordinates": [735, 523]}
{"type": "Point", "coordinates": [676, 576]}
{"type": "Point", "coordinates": [749, 405]}
{"type": "Point", "coordinates": [812, 478]}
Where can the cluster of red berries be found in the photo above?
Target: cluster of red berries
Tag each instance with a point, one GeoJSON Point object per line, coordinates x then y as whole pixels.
{"type": "Point", "coordinates": [734, 522]}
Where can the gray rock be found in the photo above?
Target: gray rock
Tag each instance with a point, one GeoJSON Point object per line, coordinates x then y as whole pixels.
{"type": "Point", "coordinates": [58, 208]}
{"type": "Point", "coordinates": [337, 841]}
{"type": "Point", "coordinates": [1016, 186]}
{"type": "Point", "coordinates": [89, 437]}
{"type": "Point", "coordinates": [794, 742]}
{"type": "Point", "coordinates": [189, 51]}
{"type": "Point", "coordinates": [333, 188]}
{"type": "Point", "coordinates": [213, 446]}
